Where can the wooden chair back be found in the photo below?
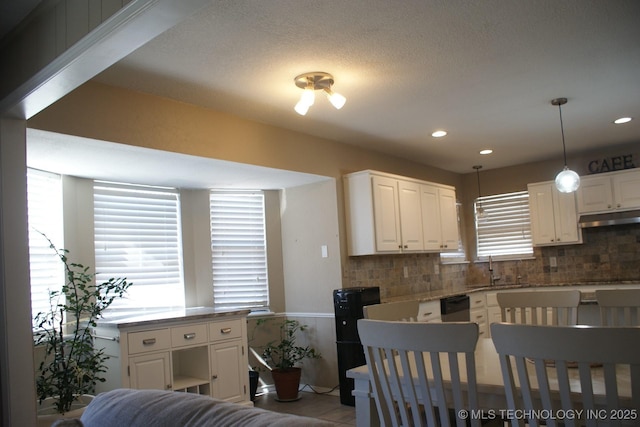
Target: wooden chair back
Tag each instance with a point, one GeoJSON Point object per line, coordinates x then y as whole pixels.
{"type": "Point", "coordinates": [568, 369]}
{"type": "Point", "coordinates": [427, 351]}
{"type": "Point", "coordinates": [540, 307]}
{"type": "Point", "coordinates": [402, 311]}
{"type": "Point", "coordinates": [619, 307]}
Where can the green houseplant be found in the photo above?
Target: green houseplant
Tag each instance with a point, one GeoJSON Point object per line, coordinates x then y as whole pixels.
{"type": "Point", "coordinates": [283, 355]}
{"type": "Point", "coordinates": [71, 366]}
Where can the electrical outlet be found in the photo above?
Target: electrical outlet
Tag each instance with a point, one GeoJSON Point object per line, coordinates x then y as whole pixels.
{"type": "Point", "coordinates": [553, 262]}
{"type": "Point", "coordinates": [436, 268]}
{"type": "Point", "coordinates": [406, 272]}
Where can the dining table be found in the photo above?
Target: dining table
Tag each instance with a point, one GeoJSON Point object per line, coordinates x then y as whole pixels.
{"type": "Point", "coordinates": [492, 400]}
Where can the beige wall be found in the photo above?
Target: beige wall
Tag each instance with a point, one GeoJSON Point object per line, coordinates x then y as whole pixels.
{"type": "Point", "coordinates": [309, 221]}
{"type": "Point", "coordinates": [117, 115]}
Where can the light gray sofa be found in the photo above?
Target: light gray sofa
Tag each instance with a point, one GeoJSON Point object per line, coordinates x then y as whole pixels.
{"type": "Point", "coordinates": [158, 408]}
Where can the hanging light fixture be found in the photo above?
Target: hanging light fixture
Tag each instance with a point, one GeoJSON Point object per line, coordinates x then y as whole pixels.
{"type": "Point", "coordinates": [567, 181]}
{"type": "Point", "coordinates": [480, 213]}
{"type": "Point", "coordinates": [310, 82]}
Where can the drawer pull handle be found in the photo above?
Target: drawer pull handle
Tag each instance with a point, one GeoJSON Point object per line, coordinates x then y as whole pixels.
{"type": "Point", "coordinates": [428, 314]}
{"type": "Point", "coordinates": [214, 377]}
{"type": "Point", "coordinates": [225, 330]}
{"type": "Point", "coordinates": [149, 341]}
{"type": "Point", "coordinates": [190, 336]}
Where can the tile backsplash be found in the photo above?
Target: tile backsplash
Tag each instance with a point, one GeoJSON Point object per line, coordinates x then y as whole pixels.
{"type": "Point", "coordinates": [607, 254]}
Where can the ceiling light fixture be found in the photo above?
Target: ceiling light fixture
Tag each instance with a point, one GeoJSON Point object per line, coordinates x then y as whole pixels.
{"type": "Point", "coordinates": [486, 151]}
{"type": "Point", "coordinates": [479, 209]}
{"type": "Point", "coordinates": [567, 181]}
{"type": "Point", "coordinates": [622, 120]}
{"type": "Point", "coordinates": [439, 133]}
{"type": "Point", "coordinates": [310, 82]}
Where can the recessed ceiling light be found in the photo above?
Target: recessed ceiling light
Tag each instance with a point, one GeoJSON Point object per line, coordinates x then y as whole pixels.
{"type": "Point", "coordinates": [439, 134]}
{"type": "Point", "coordinates": [486, 151]}
{"type": "Point", "coordinates": [622, 120]}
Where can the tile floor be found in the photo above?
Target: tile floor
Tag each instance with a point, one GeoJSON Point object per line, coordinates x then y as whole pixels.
{"type": "Point", "coordinates": [323, 406]}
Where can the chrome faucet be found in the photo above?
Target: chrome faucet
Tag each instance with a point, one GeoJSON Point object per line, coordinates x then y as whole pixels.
{"type": "Point", "coordinates": [492, 279]}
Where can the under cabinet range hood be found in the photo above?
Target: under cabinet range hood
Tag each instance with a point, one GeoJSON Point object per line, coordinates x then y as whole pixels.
{"type": "Point", "coordinates": [611, 218]}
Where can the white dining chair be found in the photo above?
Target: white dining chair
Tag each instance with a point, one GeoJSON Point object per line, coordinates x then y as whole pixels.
{"type": "Point", "coordinates": [551, 307]}
{"type": "Point", "coordinates": [556, 370]}
{"type": "Point", "coordinates": [393, 349]}
{"type": "Point", "coordinates": [619, 307]}
{"type": "Point", "coordinates": [402, 311]}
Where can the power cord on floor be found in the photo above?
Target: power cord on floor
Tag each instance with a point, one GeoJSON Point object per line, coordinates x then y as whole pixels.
{"type": "Point", "coordinates": [318, 392]}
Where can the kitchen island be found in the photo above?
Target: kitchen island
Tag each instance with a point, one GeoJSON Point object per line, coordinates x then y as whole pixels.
{"type": "Point", "coordinates": [196, 350]}
{"type": "Point", "coordinates": [483, 304]}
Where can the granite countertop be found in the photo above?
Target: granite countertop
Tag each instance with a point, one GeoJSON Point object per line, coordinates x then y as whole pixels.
{"type": "Point", "coordinates": [186, 314]}
{"type": "Point", "coordinates": [587, 297]}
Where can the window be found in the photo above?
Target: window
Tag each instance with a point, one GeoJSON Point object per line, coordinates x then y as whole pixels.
{"type": "Point", "coordinates": [505, 229]}
{"type": "Point", "coordinates": [44, 210]}
{"type": "Point", "coordinates": [137, 236]}
{"type": "Point", "coordinates": [238, 246]}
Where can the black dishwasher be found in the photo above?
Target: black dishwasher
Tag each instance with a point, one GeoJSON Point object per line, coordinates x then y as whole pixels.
{"type": "Point", "coordinates": [455, 308]}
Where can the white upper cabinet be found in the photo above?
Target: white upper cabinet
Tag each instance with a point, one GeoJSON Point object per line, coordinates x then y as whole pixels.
{"type": "Point", "coordinates": [388, 214]}
{"type": "Point", "coordinates": [609, 192]}
{"type": "Point", "coordinates": [554, 220]}
{"type": "Point", "coordinates": [439, 218]}
{"type": "Point", "coordinates": [410, 215]}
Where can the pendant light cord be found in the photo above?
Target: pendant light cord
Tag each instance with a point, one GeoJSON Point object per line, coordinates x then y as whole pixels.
{"type": "Point", "coordinates": [564, 150]}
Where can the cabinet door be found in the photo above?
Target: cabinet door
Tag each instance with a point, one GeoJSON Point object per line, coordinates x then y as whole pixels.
{"type": "Point", "coordinates": [448, 219]}
{"type": "Point", "coordinates": [626, 190]}
{"type": "Point", "coordinates": [543, 230]}
{"type": "Point", "coordinates": [566, 218]}
{"type": "Point", "coordinates": [386, 214]}
{"type": "Point", "coordinates": [553, 215]}
{"type": "Point", "coordinates": [228, 374]}
{"type": "Point", "coordinates": [410, 215]}
{"type": "Point", "coordinates": [431, 229]}
{"type": "Point", "coordinates": [150, 371]}
{"type": "Point", "coordinates": [595, 194]}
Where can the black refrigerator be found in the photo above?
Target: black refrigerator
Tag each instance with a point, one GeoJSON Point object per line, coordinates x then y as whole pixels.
{"type": "Point", "coordinates": [348, 303]}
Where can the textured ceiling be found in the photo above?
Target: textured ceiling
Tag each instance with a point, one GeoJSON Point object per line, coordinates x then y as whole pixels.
{"type": "Point", "coordinates": [484, 71]}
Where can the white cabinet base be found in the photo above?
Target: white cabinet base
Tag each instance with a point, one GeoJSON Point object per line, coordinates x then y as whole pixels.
{"type": "Point", "coordinates": [203, 356]}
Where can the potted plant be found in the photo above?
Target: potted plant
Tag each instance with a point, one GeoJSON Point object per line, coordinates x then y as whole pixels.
{"type": "Point", "coordinates": [71, 367]}
{"type": "Point", "coordinates": [283, 355]}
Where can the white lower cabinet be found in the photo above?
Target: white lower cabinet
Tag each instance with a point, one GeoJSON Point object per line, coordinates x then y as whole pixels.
{"type": "Point", "coordinates": [429, 311]}
{"type": "Point", "coordinates": [198, 356]}
{"type": "Point", "coordinates": [150, 371]}
{"type": "Point", "coordinates": [226, 367]}
{"type": "Point", "coordinates": [478, 312]}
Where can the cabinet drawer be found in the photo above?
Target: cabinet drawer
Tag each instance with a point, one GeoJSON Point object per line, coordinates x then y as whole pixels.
{"type": "Point", "coordinates": [189, 334]}
{"type": "Point", "coordinates": [140, 342]}
{"type": "Point", "coordinates": [225, 329]}
{"type": "Point", "coordinates": [478, 316]}
{"type": "Point", "coordinates": [429, 312]}
{"type": "Point", "coordinates": [476, 301]}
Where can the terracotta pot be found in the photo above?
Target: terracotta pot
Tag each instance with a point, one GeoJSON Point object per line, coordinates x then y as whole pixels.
{"type": "Point", "coordinates": [47, 414]}
{"type": "Point", "coordinates": [287, 382]}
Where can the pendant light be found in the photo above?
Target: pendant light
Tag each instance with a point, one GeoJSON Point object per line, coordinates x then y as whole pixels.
{"type": "Point", "coordinates": [480, 213]}
{"type": "Point", "coordinates": [567, 181]}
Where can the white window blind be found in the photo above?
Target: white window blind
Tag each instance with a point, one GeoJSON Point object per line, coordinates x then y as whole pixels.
{"type": "Point", "coordinates": [137, 236]}
{"type": "Point", "coordinates": [505, 229]}
{"type": "Point", "coordinates": [44, 210]}
{"type": "Point", "coordinates": [238, 246]}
